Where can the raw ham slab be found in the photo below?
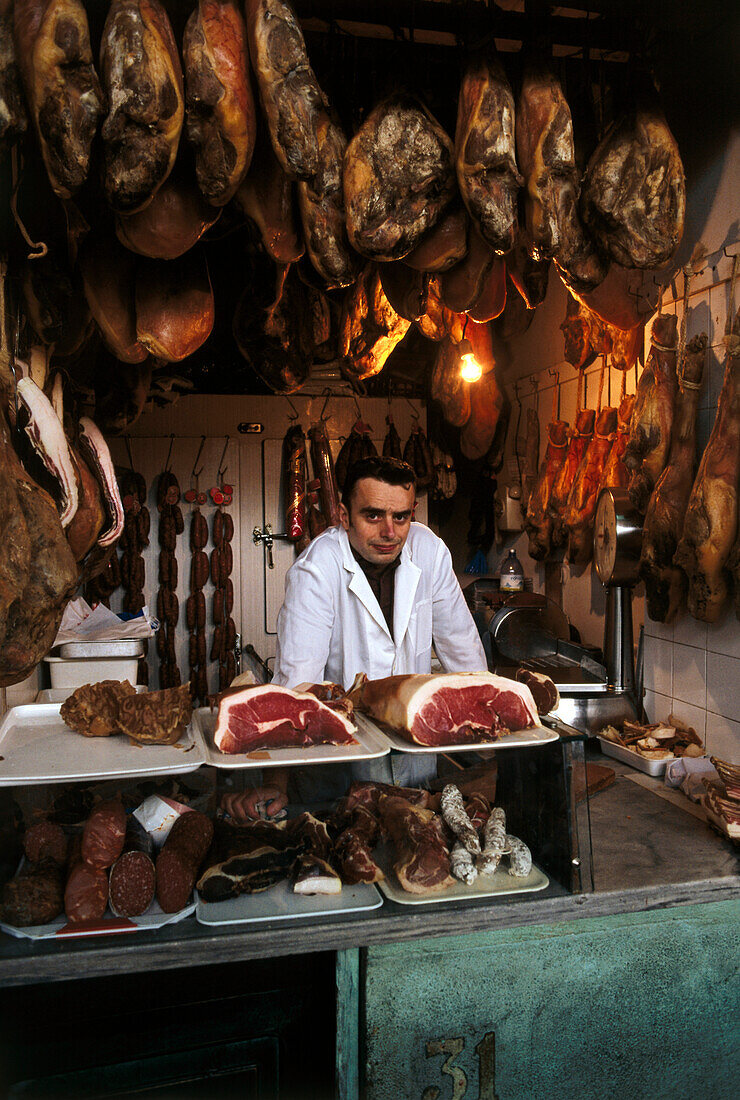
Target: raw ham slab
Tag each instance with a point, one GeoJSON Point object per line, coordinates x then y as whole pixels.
{"type": "Point", "coordinates": [449, 708]}
{"type": "Point", "coordinates": [271, 717]}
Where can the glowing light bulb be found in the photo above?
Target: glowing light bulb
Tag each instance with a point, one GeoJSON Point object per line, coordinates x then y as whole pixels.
{"type": "Point", "coordinates": [470, 368]}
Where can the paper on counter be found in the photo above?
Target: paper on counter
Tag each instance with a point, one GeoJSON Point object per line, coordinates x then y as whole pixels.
{"type": "Point", "coordinates": [82, 623]}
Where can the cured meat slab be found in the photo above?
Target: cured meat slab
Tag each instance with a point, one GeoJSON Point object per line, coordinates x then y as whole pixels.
{"type": "Point", "coordinates": [448, 708]}
{"type": "Point", "coordinates": [422, 862]}
{"type": "Point", "coordinates": [272, 717]}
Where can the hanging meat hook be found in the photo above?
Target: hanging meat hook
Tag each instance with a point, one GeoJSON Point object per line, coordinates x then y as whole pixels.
{"type": "Point", "coordinates": [295, 415]}
{"type": "Point", "coordinates": [169, 452]}
{"type": "Point", "coordinates": [196, 473]}
{"type": "Point", "coordinates": [221, 468]}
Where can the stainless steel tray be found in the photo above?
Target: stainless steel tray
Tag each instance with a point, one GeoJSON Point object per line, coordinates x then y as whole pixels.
{"type": "Point", "coordinates": [116, 647]}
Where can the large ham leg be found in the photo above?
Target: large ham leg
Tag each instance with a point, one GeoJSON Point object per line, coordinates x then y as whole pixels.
{"type": "Point", "coordinates": [538, 522]}
{"type": "Point", "coordinates": [711, 518]}
{"type": "Point", "coordinates": [665, 584]}
{"type": "Point", "coordinates": [580, 437]}
{"type": "Point", "coordinates": [652, 417]}
{"type": "Point", "coordinates": [579, 514]}
{"type": "Point", "coordinates": [616, 474]}
{"type": "Point", "coordinates": [13, 119]}
{"type": "Point", "coordinates": [52, 45]}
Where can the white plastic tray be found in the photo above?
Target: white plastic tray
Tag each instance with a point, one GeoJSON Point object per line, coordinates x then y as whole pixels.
{"type": "Point", "coordinates": [628, 756]}
{"type": "Point", "coordinates": [37, 747]}
{"type": "Point", "coordinates": [280, 903]}
{"type": "Point", "coordinates": [517, 739]}
{"type": "Point", "coordinates": [487, 886]}
{"type": "Point", "coordinates": [370, 744]}
{"type": "Point", "coordinates": [108, 925]}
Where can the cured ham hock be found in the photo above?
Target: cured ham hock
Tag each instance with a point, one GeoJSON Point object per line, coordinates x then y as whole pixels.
{"type": "Point", "coordinates": [272, 717]}
{"type": "Point", "coordinates": [447, 708]}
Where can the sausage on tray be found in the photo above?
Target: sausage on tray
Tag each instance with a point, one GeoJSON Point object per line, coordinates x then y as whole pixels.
{"type": "Point", "coordinates": [104, 834]}
{"type": "Point", "coordinates": [180, 858]}
{"type": "Point", "coordinates": [132, 877]}
{"type": "Point", "coordinates": [86, 892]}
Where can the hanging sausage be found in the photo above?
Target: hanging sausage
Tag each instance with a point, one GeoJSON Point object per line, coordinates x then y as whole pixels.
{"type": "Point", "coordinates": [171, 524]}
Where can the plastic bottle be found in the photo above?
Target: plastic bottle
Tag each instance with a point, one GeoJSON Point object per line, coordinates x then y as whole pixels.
{"type": "Point", "coordinates": [512, 574]}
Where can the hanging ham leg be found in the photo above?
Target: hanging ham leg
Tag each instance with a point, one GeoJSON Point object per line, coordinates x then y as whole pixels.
{"type": "Point", "coordinates": [579, 514]}
{"type": "Point", "coordinates": [616, 474]}
{"type": "Point", "coordinates": [174, 306]}
{"type": "Point", "coordinates": [577, 330]}
{"type": "Point", "coordinates": [484, 151]}
{"type": "Point", "coordinates": [370, 327]}
{"type": "Point", "coordinates": [538, 522]}
{"type": "Point", "coordinates": [665, 584]}
{"type": "Point", "coordinates": [448, 388]}
{"type": "Point", "coordinates": [321, 202]}
{"type": "Point", "coordinates": [710, 526]}
{"type": "Point", "coordinates": [52, 45]}
{"type": "Point", "coordinates": [580, 437]}
{"type": "Point", "coordinates": [266, 196]}
{"type": "Point", "coordinates": [13, 119]}
{"type": "Point", "coordinates": [652, 417]}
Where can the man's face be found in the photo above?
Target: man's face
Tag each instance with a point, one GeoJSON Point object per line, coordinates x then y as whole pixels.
{"type": "Point", "coordinates": [379, 518]}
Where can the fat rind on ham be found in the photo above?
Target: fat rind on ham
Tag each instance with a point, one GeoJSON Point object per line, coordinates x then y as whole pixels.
{"type": "Point", "coordinates": [447, 708]}
{"type": "Point", "coordinates": [270, 717]}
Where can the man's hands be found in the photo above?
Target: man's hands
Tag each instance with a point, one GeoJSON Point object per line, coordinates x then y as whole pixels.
{"type": "Point", "coordinates": [242, 805]}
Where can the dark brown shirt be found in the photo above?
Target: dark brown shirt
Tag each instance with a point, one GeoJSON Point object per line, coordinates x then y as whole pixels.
{"type": "Point", "coordinates": [382, 581]}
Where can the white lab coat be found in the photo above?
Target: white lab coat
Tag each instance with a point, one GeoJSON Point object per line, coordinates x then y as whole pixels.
{"type": "Point", "coordinates": [330, 627]}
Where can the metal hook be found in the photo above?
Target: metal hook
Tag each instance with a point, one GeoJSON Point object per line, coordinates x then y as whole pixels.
{"type": "Point", "coordinates": [221, 468]}
{"type": "Point", "coordinates": [127, 441]}
{"type": "Point", "coordinates": [554, 374]}
{"type": "Point", "coordinates": [416, 414]}
{"type": "Point", "coordinates": [357, 406]}
{"type": "Point", "coordinates": [328, 395]}
{"type": "Point", "coordinates": [296, 414]}
{"type": "Point", "coordinates": [169, 452]}
{"type": "Point", "coordinates": [196, 473]}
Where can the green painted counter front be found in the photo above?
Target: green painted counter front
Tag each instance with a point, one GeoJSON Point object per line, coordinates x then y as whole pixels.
{"type": "Point", "coordinates": [629, 1006]}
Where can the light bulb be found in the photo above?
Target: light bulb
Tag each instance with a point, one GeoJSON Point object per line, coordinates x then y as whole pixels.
{"type": "Point", "coordinates": [470, 368]}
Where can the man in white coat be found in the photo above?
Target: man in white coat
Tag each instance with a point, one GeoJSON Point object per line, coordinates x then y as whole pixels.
{"type": "Point", "coordinates": [369, 596]}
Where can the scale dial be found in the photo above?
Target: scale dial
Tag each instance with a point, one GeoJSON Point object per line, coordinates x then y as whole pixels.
{"type": "Point", "coordinates": [617, 538]}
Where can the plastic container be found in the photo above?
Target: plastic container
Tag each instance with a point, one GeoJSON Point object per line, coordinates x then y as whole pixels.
{"type": "Point", "coordinates": [512, 574]}
{"type": "Point", "coordinates": [68, 673]}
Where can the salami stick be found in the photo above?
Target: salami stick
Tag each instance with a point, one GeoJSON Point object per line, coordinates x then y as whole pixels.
{"type": "Point", "coordinates": [520, 857]}
{"type": "Point", "coordinates": [462, 865]}
{"type": "Point", "coordinates": [454, 815]}
{"type": "Point", "coordinates": [132, 878]}
{"type": "Point", "coordinates": [494, 842]}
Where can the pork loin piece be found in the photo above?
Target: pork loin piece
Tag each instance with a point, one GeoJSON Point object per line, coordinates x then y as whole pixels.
{"type": "Point", "coordinates": [291, 98]}
{"type": "Point", "coordinates": [484, 151]}
{"type": "Point", "coordinates": [221, 113]}
{"type": "Point", "coordinates": [143, 79]}
{"type": "Point", "coordinates": [634, 193]}
{"type": "Point", "coordinates": [52, 47]}
{"type": "Point", "coordinates": [398, 178]}
{"type": "Point", "coordinates": [447, 708]}
{"type": "Point", "coordinates": [272, 717]}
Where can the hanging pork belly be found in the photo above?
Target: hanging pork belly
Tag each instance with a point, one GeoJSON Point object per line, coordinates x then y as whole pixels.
{"type": "Point", "coordinates": [221, 119]}
{"type": "Point", "coordinates": [174, 220]}
{"type": "Point", "coordinates": [370, 327]}
{"type": "Point", "coordinates": [13, 118]}
{"type": "Point", "coordinates": [143, 80]}
{"type": "Point", "coordinates": [547, 160]}
{"type": "Point", "coordinates": [485, 150]}
{"type": "Point", "coordinates": [444, 245]}
{"type": "Point", "coordinates": [711, 518]}
{"type": "Point", "coordinates": [633, 198]}
{"type": "Point", "coordinates": [652, 416]}
{"type": "Point", "coordinates": [665, 583]}
{"type": "Point", "coordinates": [52, 47]}
{"type": "Point", "coordinates": [174, 305]}
{"type": "Point", "coordinates": [266, 196]}
{"type": "Point", "coordinates": [321, 203]}
{"type": "Point", "coordinates": [398, 178]}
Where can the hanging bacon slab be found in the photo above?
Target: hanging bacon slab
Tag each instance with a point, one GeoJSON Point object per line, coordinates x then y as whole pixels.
{"type": "Point", "coordinates": [665, 583]}
{"type": "Point", "coordinates": [370, 327]}
{"type": "Point", "coordinates": [174, 306]}
{"type": "Point", "coordinates": [108, 279]}
{"type": "Point", "coordinates": [321, 203]}
{"type": "Point", "coordinates": [168, 226]}
{"type": "Point", "coordinates": [581, 507]}
{"type": "Point", "coordinates": [711, 523]}
{"type": "Point", "coordinates": [143, 81]}
{"type": "Point", "coordinates": [485, 151]}
{"type": "Point", "coordinates": [652, 416]}
{"type": "Point", "coordinates": [221, 118]}
{"type": "Point", "coordinates": [266, 196]}
{"type": "Point", "coordinates": [634, 192]}
{"type": "Point", "coordinates": [13, 119]}
{"type": "Point", "coordinates": [538, 522]}
{"type": "Point", "coordinates": [52, 47]}
{"type": "Point", "coordinates": [46, 433]}
{"type": "Point", "coordinates": [444, 245]}
{"type": "Point", "coordinates": [398, 178]}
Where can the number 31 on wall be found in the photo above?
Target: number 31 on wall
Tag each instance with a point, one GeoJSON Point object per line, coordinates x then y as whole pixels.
{"type": "Point", "coordinates": [486, 1051]}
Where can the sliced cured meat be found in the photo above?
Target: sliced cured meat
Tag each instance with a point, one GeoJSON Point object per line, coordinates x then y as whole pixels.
{"type": "Point", "coordinates": [486, 403]}
{"type": "Point", "coordinates": [370, 327]}
{"type": "Point", "coordinates": [143, 80]}
{"type": "Point", "coordinates": [266, 196]}
{"type": "Point", "coordinates": [353, 856]}
{"type": "Point", "coordinates": [422, 858]}
{"type": "Point", "coordinates": [108, 279]}
{"type": "Point", "coordinates": [35, 896]}
{"type": "Point", "coordinates": [313, 875]}
{"type": "Point", "coordinates": [292, 101]}
{"type": "Point", "coordinates": [174, 306]}
{"type": "Point", "coordinates": [544, 691]}
{"type": "Point", "coordinates": [52, 47]}
{"type": "Point", "coordinates": [448, 387]}
{"type": "Point", "coordinates": [221, 119]}
{"type": "Point", "coordinates": [131, 883]}
{"type": "Point", "coordinates": [398, 178]}
{"type": "Point", "coordinates": [485, 151]}
{"type": "Point", "coordinates": [444, 245]}
{"type": "Point", "coordinates": [665, 583]}
{"type": "Point", "coordinates": [711, 523]}
{"type": "Point", "coordinates": [447, 708]}
{"type": "Point", "coordinates": [180, 858]}
{"type": "Point", "coordinates": [578, 441]}
{"type": "Point", "coordinates": [581, 507]}
{"type": "Point", "coordinates": [175, 220]}
{"type": "Point", "coordinates": [271, 717]}
{"type": "Point", "coordinates": [652, 416]}
{"type": "Point", "coordinates": [321, 203]}
{"type": "Point", "coordinates": [634, 192]}
{"type": "Point", "coordinates": [538, 522]}
{"type": "Point", "coordinates": [13, 120]}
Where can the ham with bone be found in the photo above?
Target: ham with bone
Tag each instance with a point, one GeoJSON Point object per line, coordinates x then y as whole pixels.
{"type": "Point", "coordinates": [446, 708]}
